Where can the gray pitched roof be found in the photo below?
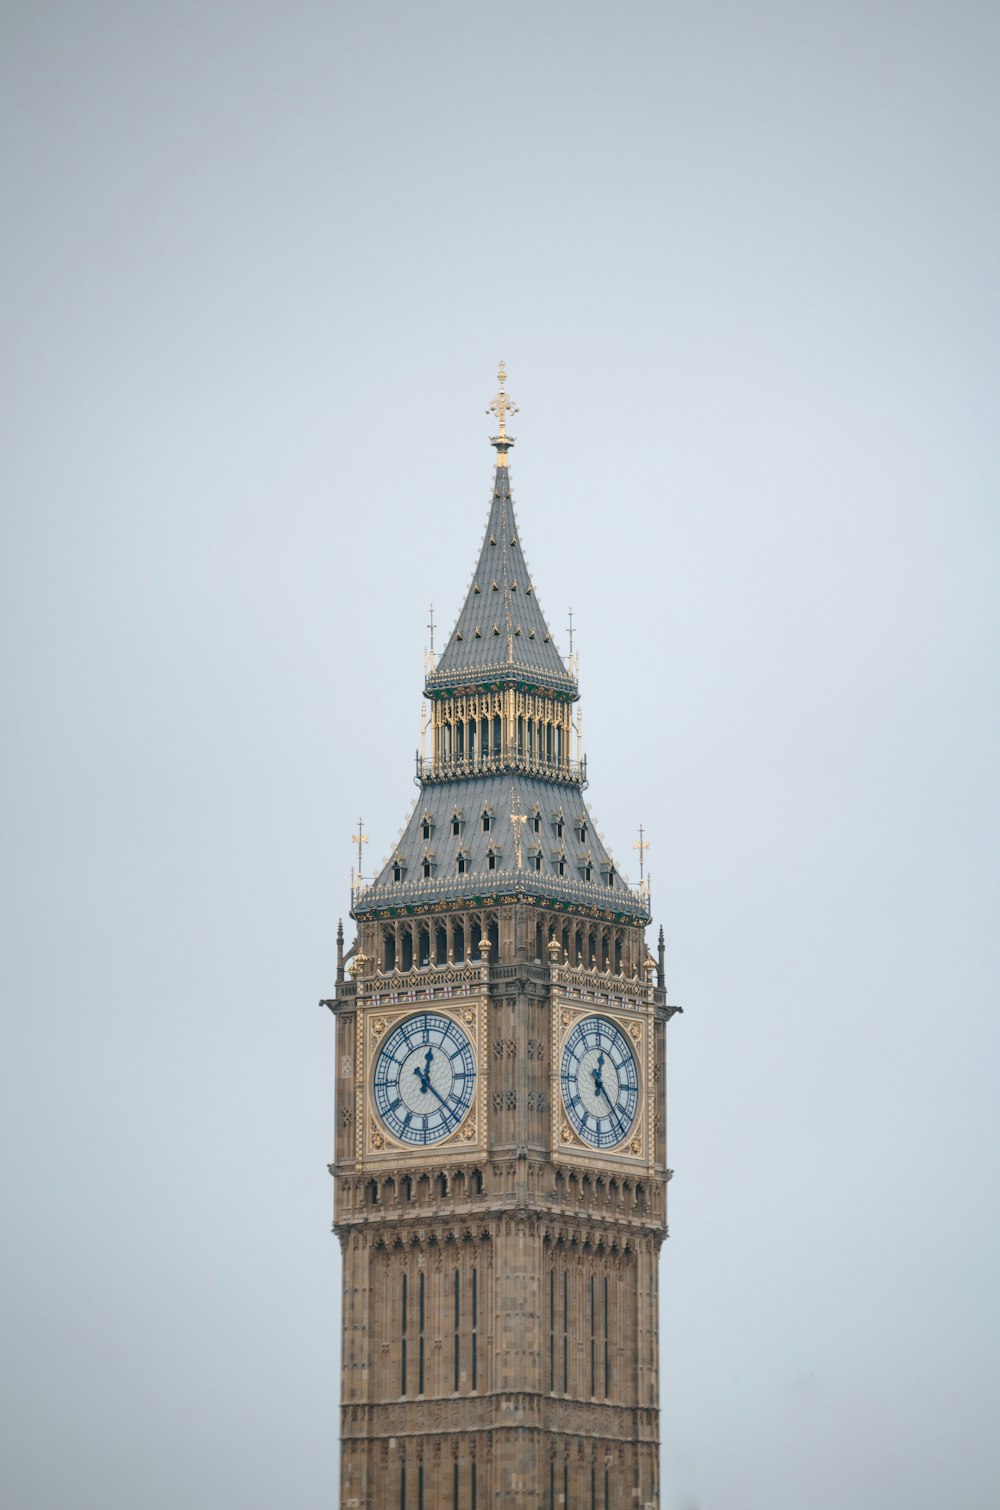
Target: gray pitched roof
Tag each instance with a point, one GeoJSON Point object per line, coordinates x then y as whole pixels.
{"type": "Point", "coordinates": [501, 633]}
{"type": "Point", "coordinates": [498, 796]}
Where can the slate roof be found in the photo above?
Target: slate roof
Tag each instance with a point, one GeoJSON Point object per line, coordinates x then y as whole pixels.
{"type": "Point", "coordinates": [501, 633]}
{"type": "Point", "coordinates": [437, 805]}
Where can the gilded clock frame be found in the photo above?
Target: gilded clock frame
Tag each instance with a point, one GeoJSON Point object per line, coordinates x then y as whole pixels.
{"type": "Point", "coordinates": [636, 1146]}
{"type": "Point", "coordinates": [374, 1141]}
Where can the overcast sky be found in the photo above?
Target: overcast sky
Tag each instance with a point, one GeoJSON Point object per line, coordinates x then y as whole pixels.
{"type": "Point", "coordinates": [259, 263]}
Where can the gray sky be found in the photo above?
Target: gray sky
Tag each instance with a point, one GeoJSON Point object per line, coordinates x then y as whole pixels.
{"type": "Point", "coordinates": [259, 264]}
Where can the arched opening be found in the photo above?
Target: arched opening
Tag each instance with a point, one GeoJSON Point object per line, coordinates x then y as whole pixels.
{"type": "Point", "coordinates": [494, 934]}
{"type": "Point", "coordinates": [424, 946]}
{"type": "Point", "coordinates": [407, 949]}
{"type": "Point", "coordinates": [475, 938]}
{"type": "Point", "coordinates": [458, 943]}
{"type": "Point", "coordinates": [389, 948]}
{"type": "Point", "coordinates": [440, 945]}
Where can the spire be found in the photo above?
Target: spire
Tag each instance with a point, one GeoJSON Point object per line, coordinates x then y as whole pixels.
{"type": "Point", "coordinates": [501, 633]}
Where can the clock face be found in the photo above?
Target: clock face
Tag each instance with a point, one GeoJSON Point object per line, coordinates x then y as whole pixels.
{"type": "Point", "coordinates": [600, 1082]}
{"type": "Point", "coordinates": [425, 1076]}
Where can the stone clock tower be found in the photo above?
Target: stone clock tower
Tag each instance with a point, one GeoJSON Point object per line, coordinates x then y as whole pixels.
{"type": "Point", "coordinates": [500, 1158]}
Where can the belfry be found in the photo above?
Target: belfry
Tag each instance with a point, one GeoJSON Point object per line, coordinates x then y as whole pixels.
{"type": "Point", "coordinates": [500, 1152]}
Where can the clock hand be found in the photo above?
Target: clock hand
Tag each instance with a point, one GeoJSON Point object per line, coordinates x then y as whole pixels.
{"type": "Point", "coordinates": [429, 1087]}
{"type": "Point", "coordinates": [599, 1084]}
{"type": "Point", "coordinates": [422, 1074]}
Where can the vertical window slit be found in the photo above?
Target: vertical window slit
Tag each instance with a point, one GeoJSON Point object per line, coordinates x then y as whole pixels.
{"type": "Point", "coordinates": [475, 1332]}
{"type": "Point", "coordinates": [420, 1341]}
{"type": "Point", "coordinates": [607, 1349]}
{"type": "Point", "coordinates": [402, 1361]}
{"type": "Point", "coordinates": [457, 1348]}
{"type": "Point", "coordinates": [593, 1337]}
{"type": "Point", "coordinates": [565, 1333]}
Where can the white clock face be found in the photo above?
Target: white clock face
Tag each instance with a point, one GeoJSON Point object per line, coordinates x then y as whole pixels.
{"type": "Point", "coordinates": [425, 1076]}
{"type": "Point", "coordinates": [600, 1082]}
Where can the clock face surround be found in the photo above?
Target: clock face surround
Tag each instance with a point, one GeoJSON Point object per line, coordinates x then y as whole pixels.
{"type": "Point", "coordinates": [424, 1079]}
{"type": "Point", "coordinates": [600, 1082]}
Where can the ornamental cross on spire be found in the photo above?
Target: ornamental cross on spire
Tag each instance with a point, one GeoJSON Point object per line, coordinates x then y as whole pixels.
{"type": "Point", "coordinates": [501, 406]}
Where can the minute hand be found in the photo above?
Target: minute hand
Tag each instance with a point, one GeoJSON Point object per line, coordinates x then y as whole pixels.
{"type": "Point", "coordinates": [427, 1086]}
{"type": "Point", "coordinates": [600, 1091]}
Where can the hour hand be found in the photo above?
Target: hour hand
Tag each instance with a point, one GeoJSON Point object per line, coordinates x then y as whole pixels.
{"type": "Point", "coordinates": [423, 1075]}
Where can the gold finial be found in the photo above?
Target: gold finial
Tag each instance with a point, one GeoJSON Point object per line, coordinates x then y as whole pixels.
{"type": "Point", "coordinates": [501, 406]}
{"type": "Point", "coordinates": [360, 839]}
{"type": "Point", "coordinates": [641, 844]}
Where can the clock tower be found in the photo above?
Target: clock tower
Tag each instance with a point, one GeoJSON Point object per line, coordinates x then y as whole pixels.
{"type": "Point", "coordinates": [500, 1154]}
